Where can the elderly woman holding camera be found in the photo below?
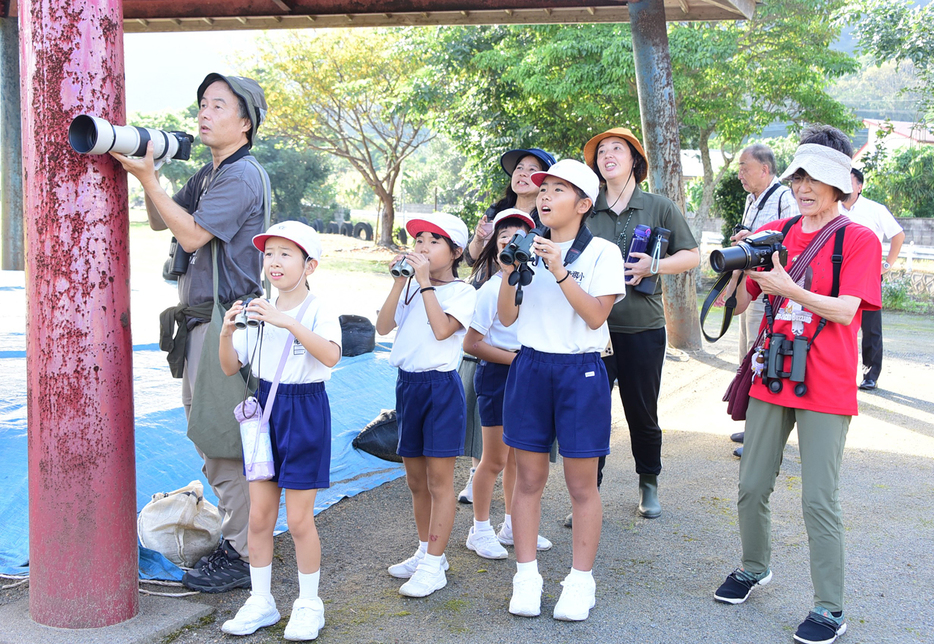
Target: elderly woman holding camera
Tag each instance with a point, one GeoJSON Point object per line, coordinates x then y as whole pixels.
{"type": "Point", "coordinates": [815, 317]}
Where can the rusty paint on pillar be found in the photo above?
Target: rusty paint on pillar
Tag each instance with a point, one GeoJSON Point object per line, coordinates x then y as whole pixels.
{"type": "Point", "coordinates": [82, 476]}
{"type": "Point", "coordinates": [663, 148]}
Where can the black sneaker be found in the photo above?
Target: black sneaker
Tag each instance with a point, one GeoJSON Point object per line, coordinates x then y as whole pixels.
{"type": "Point", "coordinates": [820, 627]}
{"type": "Point", "coordinates": [736, 588]}
{"type": "Point", "coordinates": [223, 570]}
{"type": "Point", "coordinates": [218, 551]}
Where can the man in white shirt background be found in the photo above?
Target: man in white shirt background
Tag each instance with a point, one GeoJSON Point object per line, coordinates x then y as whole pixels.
{"type": "Point", "coordinates": [877, 218]}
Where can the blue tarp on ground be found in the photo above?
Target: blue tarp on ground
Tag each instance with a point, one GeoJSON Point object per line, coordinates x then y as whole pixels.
{"type": "Point", "coordinates": [166, 460]}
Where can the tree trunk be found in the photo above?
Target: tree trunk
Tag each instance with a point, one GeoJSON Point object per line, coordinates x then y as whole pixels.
{"type": "Point", "coordinates": [386, 219]}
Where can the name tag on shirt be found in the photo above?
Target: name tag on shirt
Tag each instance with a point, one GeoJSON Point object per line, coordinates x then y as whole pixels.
{"type": "Point", "coordinates": [298, 349]}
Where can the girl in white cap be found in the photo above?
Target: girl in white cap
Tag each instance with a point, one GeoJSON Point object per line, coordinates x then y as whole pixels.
{"type": "Point", "coordinates": [561, 325]}
{"type": "Point", "coordinates": [496, 347]}
{"type": "Point", "coordinates": [432, 316]}
{"type": "Point", "coordinates": [299, 420]}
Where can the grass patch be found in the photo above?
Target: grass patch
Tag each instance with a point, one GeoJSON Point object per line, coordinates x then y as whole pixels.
{"type": "Point", "coordinates": [207, 620]}
{"type": "Point", "coordinates": [343, 265]}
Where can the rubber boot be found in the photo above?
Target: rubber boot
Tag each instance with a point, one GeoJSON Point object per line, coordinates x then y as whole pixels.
{"type": "Point", "coordinates": [649, 507]}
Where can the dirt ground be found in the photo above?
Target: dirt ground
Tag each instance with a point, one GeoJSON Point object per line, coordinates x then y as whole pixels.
{"type": "Point", "coordinates": [655, 578]}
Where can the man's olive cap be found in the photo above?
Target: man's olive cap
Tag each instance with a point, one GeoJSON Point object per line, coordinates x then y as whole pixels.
{"type": "Point", "coordinates": [247, 89]}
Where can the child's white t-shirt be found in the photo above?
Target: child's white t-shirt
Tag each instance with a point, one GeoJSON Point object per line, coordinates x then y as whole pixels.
{"type": "Point", "coordinates": [300, 367]}
{"type": "Point", "coordinates": [415, 347]}
{"type": "Point", "coordinates": [486, 318]}
{"type": "Point", "coordinates": [547, 322]}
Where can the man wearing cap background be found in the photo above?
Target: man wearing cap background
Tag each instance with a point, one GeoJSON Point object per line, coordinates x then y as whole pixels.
{"type": "Point", "coordinates": [637, 323]}
{"type": "Point", "coordinates": [877, 218]}
{"type": "Point", "coordinates": [768, 200]}
{"type": "Point", "coordinates": [223, 201]}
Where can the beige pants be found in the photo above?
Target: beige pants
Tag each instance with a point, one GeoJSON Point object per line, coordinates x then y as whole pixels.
{"type": "Point", "coordinates": [225, 475]}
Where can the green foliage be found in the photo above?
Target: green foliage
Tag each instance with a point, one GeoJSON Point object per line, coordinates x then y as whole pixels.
{"type": "Point", "coordinates": [346, 93]}
{"type": "Point", "coordinates": [905, 182]}
{"type": "Point", "coordinates": [895, 30]}
{"type": "Point", "coordinates": [490, 89]}
{"type": "Point", "coordinates": [729, 200]}
{"type": "Point", "coordinates": [432, 173]}
{"type": "Point", "coordinates": [295, 173]}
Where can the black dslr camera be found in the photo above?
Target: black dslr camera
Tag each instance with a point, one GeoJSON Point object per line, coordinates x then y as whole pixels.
{"type": "Point", "coordinates": [754, 251]}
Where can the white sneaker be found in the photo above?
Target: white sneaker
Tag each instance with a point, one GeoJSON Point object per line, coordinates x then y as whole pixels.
{"type": "Point", "coordinates": [577, 598]}
{"type": "Point", "coordinates": [466, 495]}
{"type": "Point", "coordinates": [424, 582]}
{"type": "Point", "coordinates": [526, 598]}
{"type": "Point", "coordinates": [405, 569]}
{"type": "Point", "coordinates": [505, 538]}
{"type": "Point", "coordinates": [485, 544]}
{"type": "Point", "coordinates": [306, 620]}
{"type": "Point", "coordinates": [257, 612]}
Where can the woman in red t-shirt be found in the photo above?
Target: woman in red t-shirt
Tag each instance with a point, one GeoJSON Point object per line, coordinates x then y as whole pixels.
{"type": "Point", "coordinates": [821, 408]}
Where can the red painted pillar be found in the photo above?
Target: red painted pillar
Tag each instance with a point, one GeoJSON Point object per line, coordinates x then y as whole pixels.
{"type": "Point", "coordinates": [82, 477]}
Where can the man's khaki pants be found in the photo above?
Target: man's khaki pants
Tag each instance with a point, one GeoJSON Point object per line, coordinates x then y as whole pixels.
{"type": "Point", "coordinates": [225, 475]}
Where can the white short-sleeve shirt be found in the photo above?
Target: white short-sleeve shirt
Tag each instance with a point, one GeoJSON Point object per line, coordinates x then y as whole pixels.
{"type": "Point", "coordinates": [874, 216]}
{"type": "Point", "coordinates": [300, 367]}
{"type": "Point", "coordinates": [486, 318]}
{"type": "Point", "coordinates": [547, 322]}
{"type": "Point", "coordinates": [415, 347]}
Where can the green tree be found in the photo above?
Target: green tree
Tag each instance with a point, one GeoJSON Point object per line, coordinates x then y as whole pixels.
{"type": "Point", "coordinates": [897, 31]}
{"type": "Point", "coordinates": [343, 93]}
{"type": "Point", "coordinates": [555, 86]}
{"type": "Point", "coordinates": [905, 182]}
{"type": "Point", "coordinates": [295, 174]}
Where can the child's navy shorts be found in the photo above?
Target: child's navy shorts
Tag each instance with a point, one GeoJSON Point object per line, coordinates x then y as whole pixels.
{"type": "Point", "coordinates": [431, 413]}
{"type": "Point", "coordinates": [563, 394]}
{"type": "Point", "coordinates": [490, 384]}
{"type": "Point", "coordinates": [300, 433]}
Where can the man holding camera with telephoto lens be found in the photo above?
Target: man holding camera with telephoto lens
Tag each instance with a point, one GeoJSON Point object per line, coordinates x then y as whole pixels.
{"type": "Point", "coordinates": [221, 207]}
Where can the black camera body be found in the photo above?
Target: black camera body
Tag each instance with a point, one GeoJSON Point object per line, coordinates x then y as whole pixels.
{"type": "Point", "coordinates": [753, 252]}
{"type": "Point", "coordinates": [179, 258]}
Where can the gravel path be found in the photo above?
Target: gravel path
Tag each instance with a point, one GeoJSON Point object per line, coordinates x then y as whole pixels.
{"type": "Point", "coordinates": [655, 578]}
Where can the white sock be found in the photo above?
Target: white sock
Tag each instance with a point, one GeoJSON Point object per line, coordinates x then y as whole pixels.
{"type": "Point", "coordinates": [482, 526]}
{"type": "Point", "coordinates": [261, 580]}
{"type": "Point", "coordinates": [580, 573]}
{"type": "Point", "coordinates": [432, 562]}
{"type": "Point", "coordinates": [528, 568]}
{"type": "Point", "coordinates": [308, 584]}
{"type": "Point", "coordinates": [423, 546]}
{"type": "Point", "coordinates": [507, 521]}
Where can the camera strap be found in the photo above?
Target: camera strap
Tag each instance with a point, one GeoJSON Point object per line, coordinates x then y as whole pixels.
{"type": "Point", "coordinates": [836, 228]}
{"type": "Point", "coordinates": [762, 202]}
{"type": "Point", "coordinates": [583, 238]}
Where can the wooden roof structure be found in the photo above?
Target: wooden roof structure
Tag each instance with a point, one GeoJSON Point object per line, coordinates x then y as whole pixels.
{"type": "Point", "coordinates": [151, 16]}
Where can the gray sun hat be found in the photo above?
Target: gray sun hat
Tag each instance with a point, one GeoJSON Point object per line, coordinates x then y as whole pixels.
{"type": "Point", "coordinates": [247, 89]}
{"type": "Point", "coordinates": [823, 164]}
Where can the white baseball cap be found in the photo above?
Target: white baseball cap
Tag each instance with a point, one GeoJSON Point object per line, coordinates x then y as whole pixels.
{"type": "Point", "coordinates": [302, 235]}
{"type": "Point", "coordinates": [514, 213]}
{"type": "Point", "coordinates": [442, 224]}
{"type": "Point", "coordinates": [575, 173]}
